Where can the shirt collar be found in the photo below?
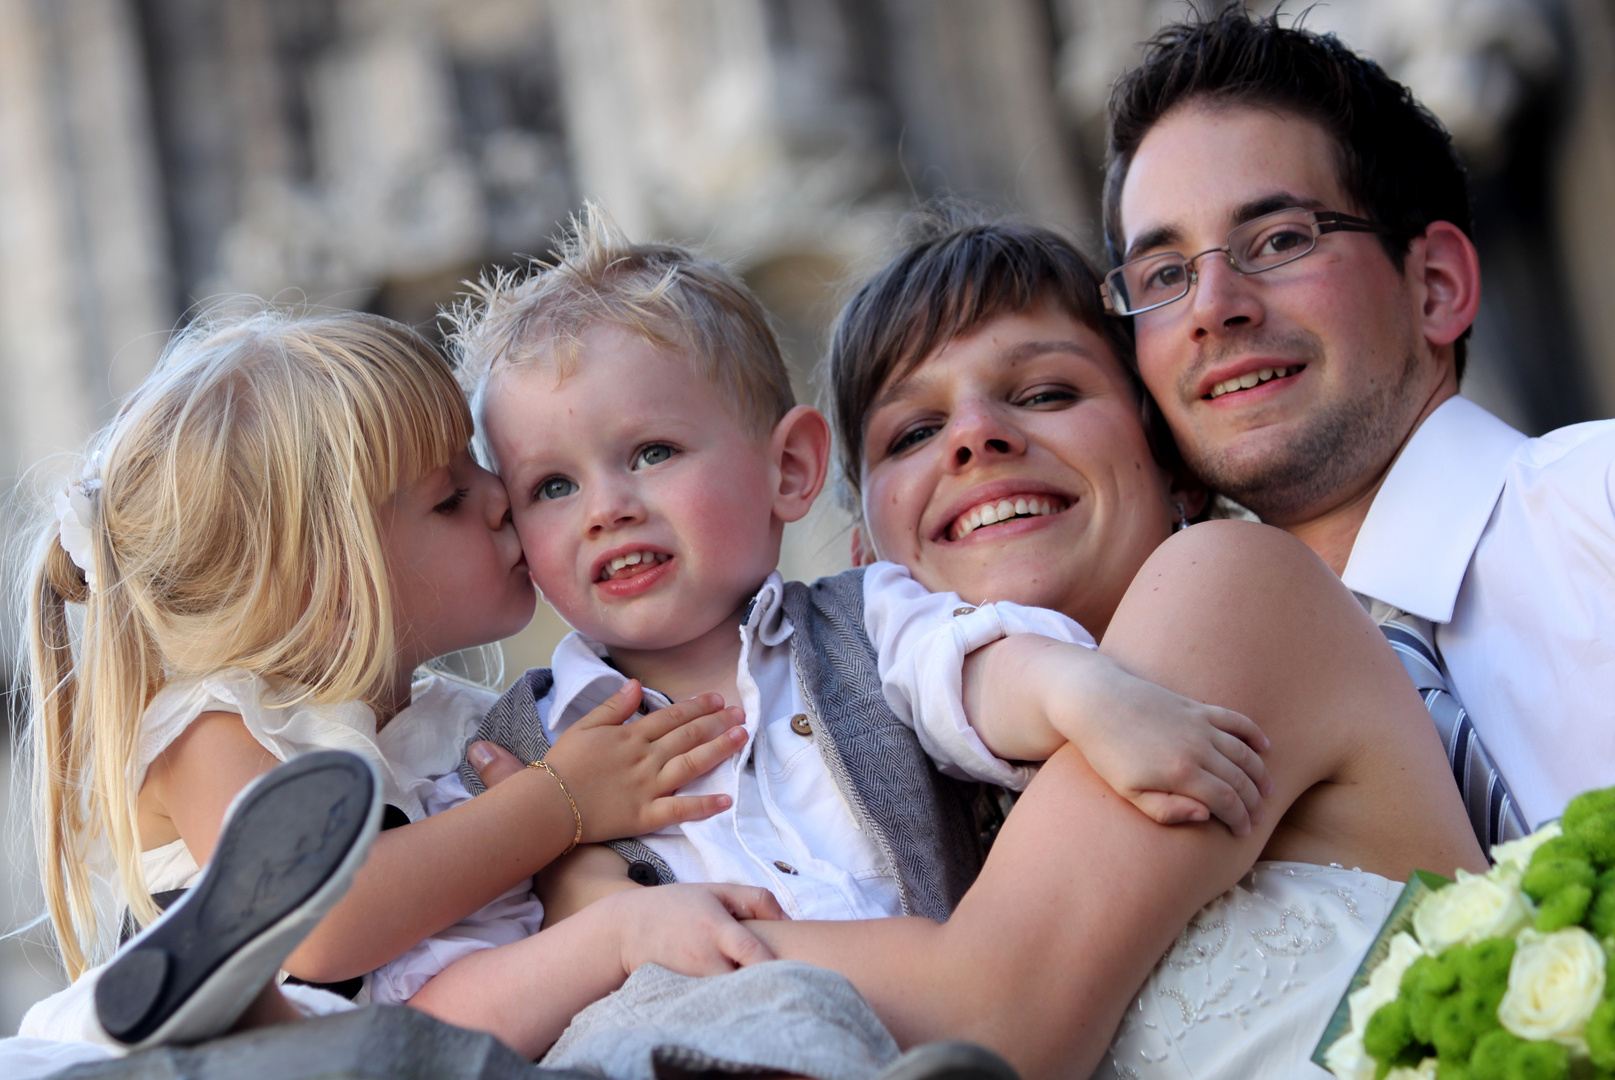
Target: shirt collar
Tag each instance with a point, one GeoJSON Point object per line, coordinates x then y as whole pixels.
{"type": "Point", "coordinates": [584, 677]}
{"type": "Point", "coordinates": [1416, 542]}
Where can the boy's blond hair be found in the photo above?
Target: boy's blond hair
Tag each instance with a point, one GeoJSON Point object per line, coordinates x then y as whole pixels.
{"type": "Point", "coordinates": [233, 522]}
{"type": "Point", "coordinates": [669, 296]}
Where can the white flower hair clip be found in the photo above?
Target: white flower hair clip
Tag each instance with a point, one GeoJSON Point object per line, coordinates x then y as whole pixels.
{"type": "Point", "coordinates": [73, 514]}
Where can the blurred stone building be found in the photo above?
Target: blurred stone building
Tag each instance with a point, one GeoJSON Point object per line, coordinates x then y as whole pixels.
{"type": "Point", "coordinates": [373, 154]}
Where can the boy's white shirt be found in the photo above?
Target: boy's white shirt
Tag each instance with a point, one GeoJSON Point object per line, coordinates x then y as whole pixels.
{"type": "Point", "coordinates": [789, 829]}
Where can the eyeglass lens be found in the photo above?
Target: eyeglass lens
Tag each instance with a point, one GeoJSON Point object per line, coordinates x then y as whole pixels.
{"type": "Point", "coordinates": [1260, 244]}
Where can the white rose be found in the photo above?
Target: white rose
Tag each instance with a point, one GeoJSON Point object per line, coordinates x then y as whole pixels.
{"type": "Point", "coordinates": [1554, 984]}
{"type": "Point", "coordinates": [1471, 909]}
{"type": "Point", "coordinates": [1427, 1070]}
{"type": "Point", "coordinates": [1347, 1059]}
{"type": "Point", "coordinates": [1513, 857]}
{"type": "Point", "coordinates": [1384, 982]}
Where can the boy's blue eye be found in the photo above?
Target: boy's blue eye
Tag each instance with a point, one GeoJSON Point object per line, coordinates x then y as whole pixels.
{"type": "Point", "coordinates": [654, 454]}
{"type": "Point", "coordinates": [556, 487]}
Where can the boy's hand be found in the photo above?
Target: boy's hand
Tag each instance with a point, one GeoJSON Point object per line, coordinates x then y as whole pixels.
{"type": "Point", "coordinates": [623, 775]}
{"type": "Point", "coordinates": [691, 929]}
{"type": "Point", "coordinates": [1175, 759]}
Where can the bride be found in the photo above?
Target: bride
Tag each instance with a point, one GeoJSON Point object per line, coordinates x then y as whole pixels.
{"type": "Point", "coordinates": [976, 366]}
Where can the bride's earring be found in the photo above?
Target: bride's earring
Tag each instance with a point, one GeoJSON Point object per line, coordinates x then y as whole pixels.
{"type": "Point", "coordinates": [1183, 518]}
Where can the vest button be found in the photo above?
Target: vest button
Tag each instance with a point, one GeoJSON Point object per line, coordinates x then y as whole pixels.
{"type": "Point", "coordinates": [641, 872]}
{"type": "Point", "coordinates": [800, 725]}
{"type": "Point", "coordinates": [784, 867]}
{"type": "Point", "coordinates": [967, 609]}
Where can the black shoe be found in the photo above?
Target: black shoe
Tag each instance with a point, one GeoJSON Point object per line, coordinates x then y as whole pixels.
{"type": "Point", "coordinates": [287, 851]}
{"type": "Point", "coordinates": [949, 1061]}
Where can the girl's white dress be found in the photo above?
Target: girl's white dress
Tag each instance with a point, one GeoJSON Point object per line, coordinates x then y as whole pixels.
{"type": "Point", "coordinates": [419, 745]}
{"type": "Point", "coordinates": [1247, 989]}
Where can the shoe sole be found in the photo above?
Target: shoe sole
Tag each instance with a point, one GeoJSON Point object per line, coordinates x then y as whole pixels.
{"type": "Point", "coordinates": [291, 842]}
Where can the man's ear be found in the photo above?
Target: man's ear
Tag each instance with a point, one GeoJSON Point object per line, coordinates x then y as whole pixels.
{"type": "Point", "coordinates": [1447, 272]}
{"type": "Point", "coordinates": [799, 451]}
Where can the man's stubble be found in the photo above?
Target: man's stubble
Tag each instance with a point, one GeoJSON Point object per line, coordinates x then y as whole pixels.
{"type": "Point", "coordinates": [1342, 448]}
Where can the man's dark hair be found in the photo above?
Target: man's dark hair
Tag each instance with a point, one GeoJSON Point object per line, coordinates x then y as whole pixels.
{"type": "Point", "coordinates": [1396, 161]}
{"type": "Point", "coordinates": [957, 272]}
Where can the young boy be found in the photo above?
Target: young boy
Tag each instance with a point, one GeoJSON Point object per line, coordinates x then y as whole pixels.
{"type": "Point", "coordinates": [634, 402]}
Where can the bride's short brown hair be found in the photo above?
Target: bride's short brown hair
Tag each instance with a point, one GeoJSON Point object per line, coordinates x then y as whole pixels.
{"type": "Point", "coordinates": [957, 271]}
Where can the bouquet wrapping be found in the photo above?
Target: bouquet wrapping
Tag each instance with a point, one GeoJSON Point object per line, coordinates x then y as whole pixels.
{"type": "Point", "coordinates": [1495, 976]}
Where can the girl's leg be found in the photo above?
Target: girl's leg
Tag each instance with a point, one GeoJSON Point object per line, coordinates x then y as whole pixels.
{"type": "Point", "coordinates": [1082, 893]}
{"type": "Point", "coordinates": [270, 1007]}
{"type": "Point", "coordinates": [288, 849]}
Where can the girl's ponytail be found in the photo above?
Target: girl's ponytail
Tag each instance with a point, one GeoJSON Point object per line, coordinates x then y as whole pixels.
{"type": "Point", "coordinates": [60, 749]}
{"type": "Point", "coordinates": [86, 707]}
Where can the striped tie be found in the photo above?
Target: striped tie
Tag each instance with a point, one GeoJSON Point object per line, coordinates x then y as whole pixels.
{"type": "Point", "coordinates": [1492, 810]}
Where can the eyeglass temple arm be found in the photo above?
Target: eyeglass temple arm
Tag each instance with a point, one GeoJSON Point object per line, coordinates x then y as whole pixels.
{"type": "Point", "coordinates": [1331, 221]}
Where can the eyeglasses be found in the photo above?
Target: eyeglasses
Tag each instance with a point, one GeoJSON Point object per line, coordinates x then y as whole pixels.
{"type": "Point", "coordinates": [1258, 245]}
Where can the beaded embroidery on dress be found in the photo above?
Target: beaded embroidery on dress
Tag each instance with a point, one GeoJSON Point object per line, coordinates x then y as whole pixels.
{"type": "Point", "coordinates": [1246, 990]}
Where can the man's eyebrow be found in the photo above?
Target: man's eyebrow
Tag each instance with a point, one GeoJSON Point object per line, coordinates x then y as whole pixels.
{"type": "Point", "coordinates": [1166, 235]}
{"type": "Point", "coordinates": [1267, 204]}
{"type": "Point", "coordinates": [1159, 237]}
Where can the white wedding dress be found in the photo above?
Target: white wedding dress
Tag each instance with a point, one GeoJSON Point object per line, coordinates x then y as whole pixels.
{"type": "Point", "coordinates": [1247, 989]}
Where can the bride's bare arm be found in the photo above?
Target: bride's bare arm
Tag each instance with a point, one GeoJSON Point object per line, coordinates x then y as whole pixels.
{"type": "Point", "coordinates": [1082, 892]}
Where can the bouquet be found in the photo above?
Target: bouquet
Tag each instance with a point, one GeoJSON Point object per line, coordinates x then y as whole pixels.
{"type": "Point", "coordinates": [1503, 976]}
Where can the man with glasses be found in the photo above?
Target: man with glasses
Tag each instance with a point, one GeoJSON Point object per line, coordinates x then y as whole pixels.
{"type": "Point", "coordinates": [1290, 235]}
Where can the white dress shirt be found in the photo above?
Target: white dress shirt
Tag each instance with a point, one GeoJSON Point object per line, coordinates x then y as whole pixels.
{"type": "Point", "coordinates": [788, 829]}
{"type": "Point", "coordinates": [1507, 544]}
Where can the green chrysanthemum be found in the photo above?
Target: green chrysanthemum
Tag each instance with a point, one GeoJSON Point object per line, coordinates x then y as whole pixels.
{"type": "Point", "coordinates": [1564, 907]}
{"type": "Point", "coordinates": [1601, 915]}
{"type": "Point", "coordinates": [1600, 1034]}
{"type": "Point", "coordinates": [1549, 874]}
{"type": "Point", "coordinates": [1389, 1038]}
{"type": "Point", "coordinates": [1590, 818]}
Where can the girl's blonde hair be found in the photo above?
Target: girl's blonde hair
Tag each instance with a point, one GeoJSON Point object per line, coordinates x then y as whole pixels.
{"type": "Point", "coordinates": [234, 524]}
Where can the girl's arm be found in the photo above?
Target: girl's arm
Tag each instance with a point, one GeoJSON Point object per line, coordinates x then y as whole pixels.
{"type": "Point", "coordinates": [428, 875]}
{"type": "Point", "coordinates": [567, 886]}
{"type": "Point", "coordinates": [526, 993]}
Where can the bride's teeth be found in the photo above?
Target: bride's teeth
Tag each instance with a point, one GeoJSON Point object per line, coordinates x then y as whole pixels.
{"type": "Point", "coordinates": [1003, 510]}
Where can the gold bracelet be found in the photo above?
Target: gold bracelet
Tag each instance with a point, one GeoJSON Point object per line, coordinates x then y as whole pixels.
{"type": "Point", "coordinates": [577, 816]}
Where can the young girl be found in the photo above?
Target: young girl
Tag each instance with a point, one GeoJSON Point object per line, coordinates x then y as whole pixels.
{"type": "Point", "coordinates": [278, 528]}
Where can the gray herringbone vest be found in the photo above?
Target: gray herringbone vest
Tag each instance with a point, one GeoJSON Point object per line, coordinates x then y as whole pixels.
{"type": "Point", "coordinates": [922, 821]}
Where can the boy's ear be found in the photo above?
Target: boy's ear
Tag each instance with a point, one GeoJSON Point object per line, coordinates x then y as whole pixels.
{"type": "Point", "coordinates": [799, 451]}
